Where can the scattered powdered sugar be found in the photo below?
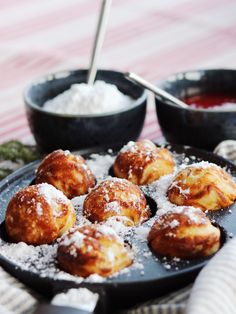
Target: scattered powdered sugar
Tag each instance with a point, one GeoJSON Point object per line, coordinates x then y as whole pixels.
{"type": "Point", "coordinates": [138, 265]}
{"type": "Point", "coordinates": [141, 233]}
{"type": "Point", "coordinates": [132, 147]}
{"type": "Point", "coordinates": [76, 238]}
{"type": "Point", "coordinates": [51, 194]}
{"type": "Point", "coordinates": [100, 164]}
{"type": "Point", "coordinates": [66, 152]}
{"type": "Point", "coordinates": [120, 224]}
{"type": "Point", "coordinates": [113, 206]}
{"type": "Point", "coordinates": [129, 147]}
{"type": "Point", "coordinates": [81, 298]}
{"type": "Point", "coordinates": [158, 191]}
{"type": "Point", "coordinates": [98, 98]}
{"type": "Point", "coordinates": [78, 201]}
{"type": "Point", "coordinates": [167, 266]}
{"type": "Point", "coordinates": [41, 260]}
{"type": "Point", "coordinates": [147, 254]}
{"type": "Point", "coordinates": [202, 164]}
{"type": "Point", "coordinates": [18, 251]}
{"type": "Point", "coordinates": [174, 223]}
{"type": "Point", "coordinates": [111, 256]}
{"type": "Point", "coordinates": [39, 209]}
{"type": "Point", "coordinates": [182, 191]}
{"type": "Point", "coordinates": [95, 278]}
{"type": "Point", "coordinates": [107, 230]}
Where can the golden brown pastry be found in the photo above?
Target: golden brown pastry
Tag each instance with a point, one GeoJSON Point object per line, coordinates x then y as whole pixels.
{"type": "Point", "coordinates": [143, 162]}
{"type": "Point", "coordinates": [203, 185]}
{"type": "Point", "coordinates": [116, 197]}
{"type": "Point", "coordinates": [39, 214]}
{"type": "Point", "coordinates": [186, 234]}
{"type": "Point", "coordinates": [67, 172]}
{"type": "Point", "coordinates": [93, 249]}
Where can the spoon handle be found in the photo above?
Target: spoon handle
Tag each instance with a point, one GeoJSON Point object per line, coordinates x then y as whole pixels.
{"type": "Point", "coordinates": [54, 309]}
{"type": "Point", "coordinates": [156, 90]}
{"type": "Point", "coordinates": [99, 38]}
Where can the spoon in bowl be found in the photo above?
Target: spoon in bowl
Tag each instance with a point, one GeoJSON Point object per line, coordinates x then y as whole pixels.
{"type": "Point", "coordinates": [156, 90]}
{"type": "Point", "coordinates": [99, 38]}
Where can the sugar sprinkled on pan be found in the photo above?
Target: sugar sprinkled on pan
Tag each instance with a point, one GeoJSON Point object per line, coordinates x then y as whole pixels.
{"type": "Point", "coordinates": [81, 298]}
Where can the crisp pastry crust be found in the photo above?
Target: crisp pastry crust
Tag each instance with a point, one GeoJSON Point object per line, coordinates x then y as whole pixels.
{"type": "Point", "coordinates": [67, 172]}
{"type": "Point", "coordinates": [93, 249]}
{"type": "Point", "coordinates": [143, 162]}
{"type": "Point", "coordinates": [188, 234]}
{"type": "Point", "coordinates": [208, 187]}
{"type": "Point", "coordinates": [116, 197]}
{"type": "Point", "coordinates": [39, 214]}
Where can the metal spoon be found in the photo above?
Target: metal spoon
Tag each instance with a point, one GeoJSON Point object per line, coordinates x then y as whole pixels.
{"type": "Point", "coordinates": [99, 38]}
{"type": "Point", "coordinates": [156, 90]}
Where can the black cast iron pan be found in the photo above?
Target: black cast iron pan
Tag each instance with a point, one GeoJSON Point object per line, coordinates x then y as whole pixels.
{"type": "Point", "coordinates": [122, 291]}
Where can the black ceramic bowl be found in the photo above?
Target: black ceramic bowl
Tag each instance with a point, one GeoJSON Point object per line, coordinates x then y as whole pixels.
{"type": "Point", "coordinates": [53, 131]}
{"type": "Point", "coordinates": [202, 128]}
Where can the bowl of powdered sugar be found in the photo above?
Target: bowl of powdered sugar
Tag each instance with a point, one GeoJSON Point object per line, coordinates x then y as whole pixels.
{"type": "Point", "coordinates": [65, 112]}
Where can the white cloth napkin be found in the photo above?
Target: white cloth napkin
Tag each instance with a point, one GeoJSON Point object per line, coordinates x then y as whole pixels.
{"type": "Point", "coordinates": [227, 149]}
{"type": "Point", "coordinates": [214, 291]}
{"type": "Point", "coordinates": [15, 298]}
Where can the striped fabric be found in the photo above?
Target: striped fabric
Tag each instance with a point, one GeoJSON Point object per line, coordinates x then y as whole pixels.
{"type": "Point", "coordinates": [173, 303]}
{"type": "Point", "coordinates": [15, 298]}
{"type": "Point", "coordinates": [215, 288]}
{"type": "Point", "coordinates": [152, 38]}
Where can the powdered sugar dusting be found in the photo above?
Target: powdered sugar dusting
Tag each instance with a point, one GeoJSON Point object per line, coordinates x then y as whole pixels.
{"type": "Point", "coordinates": [76, 238]}
{"type": "Point", "coordinates": [81, 298]}
{"type": "Point", "coordinates": [174, 223]}
{"type": "Point", "coordinates": [158, 191]}
{"type": "Point", "coordinates": [50, 193]}
{"type": "Point", "coordinates": [202, 164]}
{"type": "Point", "coordinates": [113, 206]}
{"type": "Point", "coordinates": [120, 224]}
{"type": "Point", "coordinates": [182, 191]}
{"type": "Point", "coordinates": [39, 209]}
{"type": "Point", "coordinates": [129, 147]}
{"type": "Point", "coordinates": [141, 233]}
{"type": "Point", "coordinates": [66, 152]}
{"type": "Point", "coordinates": [100, 164]}
{"type": "Point", "coordinates": [52, 196]}
{"type": "Point", "coordinates": [105, 230]}
{"type": "Point", "coordinates": [78, 201]}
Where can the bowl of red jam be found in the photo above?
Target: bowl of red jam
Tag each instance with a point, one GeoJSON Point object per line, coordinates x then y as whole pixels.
{"type": "Point", "coordinates": [211, 113]}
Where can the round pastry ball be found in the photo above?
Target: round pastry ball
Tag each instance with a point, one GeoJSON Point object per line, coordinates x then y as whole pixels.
{"type": "Point", "coordinates": [143, 162]}
{"type": "Point", "coordinates": [67, 172]}
{"type": "Point", "coordinates": [203, 185]}
{"type": "Point", "coordinates": [186, 233]}
{"type": "Point", "coordinates": [39, 214]}
{"type": "Point", "coordinates": [93, 249]}
{"type": "Point", "coordinates": [116, 197]}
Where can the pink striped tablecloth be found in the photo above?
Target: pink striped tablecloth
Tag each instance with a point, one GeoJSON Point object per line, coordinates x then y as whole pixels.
{"type": "Point", "coordinates": [152, 38]}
